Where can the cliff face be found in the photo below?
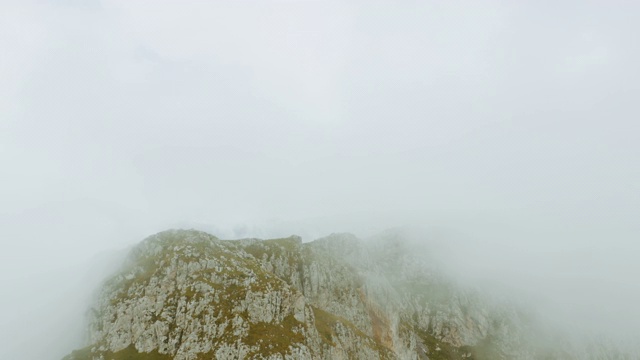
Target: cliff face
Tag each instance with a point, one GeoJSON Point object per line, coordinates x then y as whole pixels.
{"type": "Point", "coordinates": [188, 295]}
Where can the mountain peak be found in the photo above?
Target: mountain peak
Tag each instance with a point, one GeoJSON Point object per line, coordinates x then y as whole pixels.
{"type": "Point", "coordinates": [185, 294]}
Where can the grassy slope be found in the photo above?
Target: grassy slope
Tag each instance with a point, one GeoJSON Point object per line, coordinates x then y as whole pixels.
{"type": "Point", "coordinates": [271, 338]}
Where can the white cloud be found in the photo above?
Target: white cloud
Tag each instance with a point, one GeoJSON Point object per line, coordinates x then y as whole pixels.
{"type": "Point", "coordinates": [513, 123]}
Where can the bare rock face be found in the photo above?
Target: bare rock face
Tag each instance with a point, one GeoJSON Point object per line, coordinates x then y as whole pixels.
{"type": "Point", "coordinates": [187, 295]}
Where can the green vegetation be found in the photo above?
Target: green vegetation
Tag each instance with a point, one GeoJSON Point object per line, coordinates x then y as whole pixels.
{"type": "Point", "coordinates": [288, 248]}
{"type": "Point", "coordinates": [80, 354]}
{"type": "Point", "coordinates": [129, 353]}
{"type": "Point", "coordinates": [326, 322]}
{"type": "Point", "coordinates": [220, 274]}
{"type": "Point", "coordinates": [275, 337]}
{"type": "Point", "coordinates": [440, 350]}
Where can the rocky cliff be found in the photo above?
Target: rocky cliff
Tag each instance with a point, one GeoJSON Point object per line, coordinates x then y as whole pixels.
{"type": "Point", "coordinates": [187, 295]}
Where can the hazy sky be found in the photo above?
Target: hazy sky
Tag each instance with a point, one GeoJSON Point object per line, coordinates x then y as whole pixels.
{"type": "Point", "coordinates": [513, 124]}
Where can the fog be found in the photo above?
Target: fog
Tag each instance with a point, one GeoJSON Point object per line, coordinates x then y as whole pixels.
{"type": "Point", "coordinates": [510, 127]}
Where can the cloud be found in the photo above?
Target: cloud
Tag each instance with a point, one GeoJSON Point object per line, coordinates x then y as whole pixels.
{"type": "Point", "coordinates": [514, 124]}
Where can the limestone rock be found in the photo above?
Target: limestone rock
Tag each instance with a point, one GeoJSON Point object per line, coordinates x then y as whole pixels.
{"type": "Point", "coordinates": [187, 295]}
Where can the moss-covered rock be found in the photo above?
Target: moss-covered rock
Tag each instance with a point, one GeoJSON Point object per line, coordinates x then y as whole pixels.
{"type": "Point", "coordinates": [188, 295]}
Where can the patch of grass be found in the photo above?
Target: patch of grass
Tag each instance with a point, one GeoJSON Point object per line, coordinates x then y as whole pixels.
{"type": "Point", "coordinates": [326, 321]}
{"type": "Point", "coordinates": [275, 337]}
{"type": "Point", "coordinates": [438, 350]}
{"type": "Point", "coordinates": [129, 353]}
{"type": "Point", "coordinates": [288, 248]}
{"type": "Point", "coordinates": [80, 354]}
{"type": "Point", "coordinates": [484, 350]}
{"type": "Point", "coordinates": [257, 250]}
{"type": "Point", "coordinates": [290, 243]}
{"type": "Point", "coordinates": [324, 324]}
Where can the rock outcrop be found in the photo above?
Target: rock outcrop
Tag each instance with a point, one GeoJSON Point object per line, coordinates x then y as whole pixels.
{"type": "Point", "coordinates": [187, 295]}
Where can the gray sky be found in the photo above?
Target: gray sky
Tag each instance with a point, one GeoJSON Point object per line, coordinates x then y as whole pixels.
{"type": "Point", "coordinates": [513, 124]}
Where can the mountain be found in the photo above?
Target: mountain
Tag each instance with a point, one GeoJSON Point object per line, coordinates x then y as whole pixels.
{"type": "Point", "coordinates": [187, 295]}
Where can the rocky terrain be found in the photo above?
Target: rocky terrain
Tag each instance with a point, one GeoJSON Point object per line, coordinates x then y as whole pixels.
{"type": "Point", "coordinates": [186, 295]}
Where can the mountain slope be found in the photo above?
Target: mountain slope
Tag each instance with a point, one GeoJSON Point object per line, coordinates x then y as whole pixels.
{"type": "Point", "coordinates": [185, 294]}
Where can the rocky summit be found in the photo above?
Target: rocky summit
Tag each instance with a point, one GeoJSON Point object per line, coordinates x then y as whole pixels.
{"type": "Point", "coordinates": [187, 295]}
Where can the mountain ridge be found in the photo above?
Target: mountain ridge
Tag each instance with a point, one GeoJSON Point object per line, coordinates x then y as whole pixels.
{"type": "Point", "coordinates": [185, 294]}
